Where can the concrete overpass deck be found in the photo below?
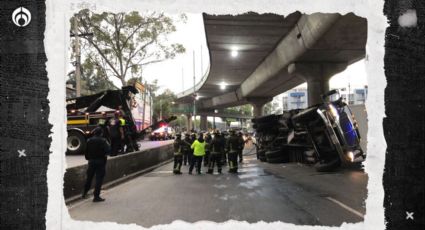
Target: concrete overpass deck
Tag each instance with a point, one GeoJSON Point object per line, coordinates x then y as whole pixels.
{"type": "Point", "coordinates": [275, 54]}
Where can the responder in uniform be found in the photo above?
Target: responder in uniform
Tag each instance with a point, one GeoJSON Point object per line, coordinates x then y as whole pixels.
{"type": "Point", "coordinates": [192, 140]}
{"type": "Point", "coordinates": [187, 142]}
{"type": "Point", "coordinates": [217, 149]}
{"type": "Point", "coordinates": [208, 139]}
{"type": "Point", "coordinates": [232, 146]}
{"type": "Point", "coordinates": [198, 147]}
{"type": "Point", "coordinates": [178, 154]}
{"type": "Point", "coordinates": [241, 146]}
{"type": "Point", "coordinates": [116, 132]}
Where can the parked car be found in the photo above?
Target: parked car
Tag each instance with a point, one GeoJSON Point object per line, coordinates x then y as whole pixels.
{"type": "Point", "coordinates": [162, 133]}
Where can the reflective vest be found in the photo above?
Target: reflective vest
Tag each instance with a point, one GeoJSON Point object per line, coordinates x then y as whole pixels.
{"type": "Point", "coordinates": [198, 148]}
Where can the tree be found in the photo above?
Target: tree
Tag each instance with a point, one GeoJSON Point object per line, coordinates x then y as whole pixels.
{"type": "Point", "coordinates": [125, 42]}
{"type": "Point", "coordinates": [243, 110]}
{"type": "Point", "coordinates": [162, 104]}
{"type": "Point", "coordinates": [93, 80]}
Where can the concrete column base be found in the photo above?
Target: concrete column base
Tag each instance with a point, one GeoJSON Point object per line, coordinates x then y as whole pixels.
{"type": "Point", "coordinates": [258, 105]}
{"type": "Point", "coordinates": [204, 123]}
{"type": "Point", "coordinates": [317, 76]}
{"type": "Point", "coordinates": [189, 122]}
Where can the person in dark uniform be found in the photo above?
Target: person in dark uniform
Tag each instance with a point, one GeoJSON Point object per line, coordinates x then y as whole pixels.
{"type": "Point", "coordinates": [217, 149]}
{"type": "Point", "coordinates": [208, 140]}
{"type": "Point", "coordinates": [187, 142]}
{"type": "Point", "coordinates": [241, 146]}
{"type": "Point", "coordinates": [116, 132]}
{"type": "Point", "coordinates": [232, 146]}
{"type": "Point", "coordinates": [103, 124]}
{"type": "Point", "coordinates": [192, 140]}
{"type": "Point", "coordinates": [223, 138]}
{"type": "Point", "coordinates": [97, 149]}
{"type": "Point", "coordinates": [178, 154]}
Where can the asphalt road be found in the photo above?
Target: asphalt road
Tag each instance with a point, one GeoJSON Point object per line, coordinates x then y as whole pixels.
{"type": "Point", "coordinates": [292, 193]}
{"type": "Point", "coordinates": [76, 160]}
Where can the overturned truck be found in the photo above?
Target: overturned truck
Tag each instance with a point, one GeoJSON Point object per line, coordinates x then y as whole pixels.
{"type": "Point", "coordinates": [326, 135]}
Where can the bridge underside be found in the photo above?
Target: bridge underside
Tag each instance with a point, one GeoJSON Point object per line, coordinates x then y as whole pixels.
{"type": "Point", "coordinates": [276, 54]}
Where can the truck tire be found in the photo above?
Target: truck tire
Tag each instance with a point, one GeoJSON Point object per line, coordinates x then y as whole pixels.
{"type": "Point", "coordinates": [76, 143]}
{"type": "Point", "coordinates": [277, 160]}
{"type": "Point", "coordinates": [274, 153]}
{"type": "Point", "coordinates": [328, 166]}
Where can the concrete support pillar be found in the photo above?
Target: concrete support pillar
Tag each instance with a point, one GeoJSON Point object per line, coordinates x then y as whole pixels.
{"type": "Point", "coordinates": [258, 105]}
{"type": "Point", "coordinates": [317, 76]}
{"type": "Point", "coordinates": [258, 109]}
{"type": "Point", "coordinates": [204, 123]}
{"type": "Point", "coordinates": [189, 122]}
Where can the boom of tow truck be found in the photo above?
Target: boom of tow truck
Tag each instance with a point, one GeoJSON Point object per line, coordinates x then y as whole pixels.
{"type": "Point", "coordinates": [88, 112]}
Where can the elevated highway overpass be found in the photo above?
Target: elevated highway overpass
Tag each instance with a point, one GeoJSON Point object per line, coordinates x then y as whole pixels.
{"type": "Point", "coordinates": [256, 57]}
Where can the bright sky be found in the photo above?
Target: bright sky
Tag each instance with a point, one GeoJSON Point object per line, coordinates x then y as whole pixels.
{"type": "Point", "coordinates": [177, 73]}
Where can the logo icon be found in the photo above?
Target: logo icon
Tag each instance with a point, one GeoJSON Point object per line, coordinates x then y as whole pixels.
{"type": "Point", "coordinates": [21, 17]}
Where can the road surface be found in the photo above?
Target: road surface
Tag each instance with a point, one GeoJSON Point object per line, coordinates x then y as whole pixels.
{"type": "Point", "coordinates": [293, 193]}
{"type": "Point", "coordinates": [76, 160]}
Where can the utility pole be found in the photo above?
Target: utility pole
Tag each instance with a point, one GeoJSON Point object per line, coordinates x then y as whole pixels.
{"type": "Point", "coordinates": [182, 79]}
{"type": "Point", "coordinates": [144, 104]}
{"type": "Point", "coordinates": [160, 109]}
{"type": "Point", "coordinates": [194, 93]}
{"type": "Point", "coordinates": [202, 66]}
{"type": "Point", "coordinates": [78, 58]}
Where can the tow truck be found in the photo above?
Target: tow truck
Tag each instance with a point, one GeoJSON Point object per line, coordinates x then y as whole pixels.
{"type": "Point", "coordinates": [88, 112]}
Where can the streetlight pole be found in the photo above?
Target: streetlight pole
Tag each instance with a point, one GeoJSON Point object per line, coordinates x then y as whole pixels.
{"type": "Point", "coordinates": [78, 58]}
{"type": "Point", "coordinates": [194, 93]}
{"type": "Point", "coordinates": [160, 109]}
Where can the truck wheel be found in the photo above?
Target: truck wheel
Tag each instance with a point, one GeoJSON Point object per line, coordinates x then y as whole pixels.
{"type": "Point", "coordinates": [328, 166]}
{"type": "Point", "coordinates": [277, 160]}
{"type": "Point", "coordinates": [274, 153]}
{"type": "Point", "coordinates": [76, 143]}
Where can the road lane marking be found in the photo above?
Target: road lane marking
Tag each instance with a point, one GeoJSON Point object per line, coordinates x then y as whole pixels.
{"type": "Point", "coordinates": [355, 212]}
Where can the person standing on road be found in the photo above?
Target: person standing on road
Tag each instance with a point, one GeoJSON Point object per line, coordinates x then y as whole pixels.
{"type": "Point", "coordinates": [198, 147]}
{"type": "Point", "coordinates": [97, 149]}
{"type": "Point", "coordinates": [232, 146]}
{"type": "Point", "coordinates": [116, 132]}
{"type": "Point", "coordinates": [178, 154]}
{"type": "Point", "coordinates": [217, 149]}
{"type": "Point", "coordinates": [207, 149]}
{"type": "Point", "coordinates": [241, 146]}
{"type": "Point", "coordinates": [192, 140]}
{"type": "Point", "coordinates": [187, 142]}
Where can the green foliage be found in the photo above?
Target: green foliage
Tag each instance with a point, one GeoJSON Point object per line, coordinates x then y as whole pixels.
{"type": "Point", "coordinates": [122, 43]}
{"type": "Point", "coordinates": [162, 104]}
{"type": "Point", "coordinates": [243, 109]}
{"type": "Point", "coordinates": [93, 79]}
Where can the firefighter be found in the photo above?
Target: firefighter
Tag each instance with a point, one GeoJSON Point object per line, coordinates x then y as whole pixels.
{"type": "Point", "coordinates": [217, 149]}
{"type": "Point", "coordinates": [187, 142]}
{"type": "Point", "coordinates": [208, 139]}
{"type": "Point", "coordinates": [178, 154]}
{"type": "Point", "coordinates": [232, 146]}
{"type": "Point", "coordinates": [223, 139]}
{"type": "Point", "coordinates": [116, 132]}
{"type": "Point", "coordinates": [241, 146]}
{"type": "Point", "coordinates": [192, 140]}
